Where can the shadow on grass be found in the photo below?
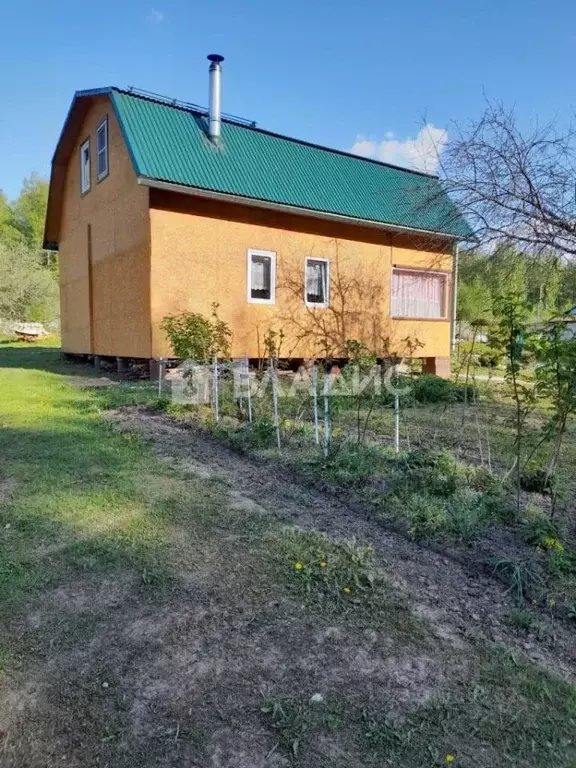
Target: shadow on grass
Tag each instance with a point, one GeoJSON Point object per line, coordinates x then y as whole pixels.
{"type": "Point", "coordinates": [42, 358]}
{"type": "Point", "coordinates": [74, 503]}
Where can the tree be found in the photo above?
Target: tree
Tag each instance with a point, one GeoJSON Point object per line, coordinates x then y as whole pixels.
{"type": "Point", "coordinates": [28, 291]}
{"type": "Point", "coordinates": [9, 233]}
{"type": "Point", "coordinates": [567, 293]}
{"type": "Point", "coordinates": [513, 312]}
{"type": "Point", "coordinates": [514, 187]}
{"type": "Point", "coordinates": [30, 210]}
{"type": "Point", "coordinates": [556, 379]}
{"type": "Point", "coordinates": [474, 301]}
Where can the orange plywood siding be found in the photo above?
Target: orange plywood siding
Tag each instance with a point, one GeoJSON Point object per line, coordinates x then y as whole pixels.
{"type": "Point", "coordinates": [116, 209]}
{"type": "Point", "coordinates": [199, 256]}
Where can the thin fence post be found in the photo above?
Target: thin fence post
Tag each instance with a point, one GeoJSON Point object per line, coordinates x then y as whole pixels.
{"type": "Point", "coordinates": [326, 414]}
{"type": "Point", "coordinates": [249, 393]}
{"type": "Point", "coordinates": [272, 369]}
{"type": "Point", "coordinates": [315, 391]}
{"type": "Point", "coordinates": [396, 423]}
{"type": "Point", "coordinates": [215, 397]}
{"type": "Point", "coordinates": [240, 398]}
{"type": "Point", "coordinates": [160, 376]}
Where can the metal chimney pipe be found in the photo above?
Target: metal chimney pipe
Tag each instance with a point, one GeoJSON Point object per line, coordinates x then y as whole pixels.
{"type": "Point", "coordinates": [215, 108]}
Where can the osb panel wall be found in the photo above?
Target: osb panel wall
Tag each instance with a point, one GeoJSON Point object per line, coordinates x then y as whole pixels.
{"type": "Point", "coordinates": [199, 256]}
{"type": "Point", "coordinates": [117, 211]}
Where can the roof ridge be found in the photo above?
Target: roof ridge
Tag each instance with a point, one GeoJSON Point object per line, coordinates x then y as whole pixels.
{"type": "Point", "coordinates": [251, 126]}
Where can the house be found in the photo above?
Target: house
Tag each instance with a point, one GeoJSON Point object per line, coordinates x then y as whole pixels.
{"type": "Point", "coordinates": [568, 323]}
{"type": "Point", "coordinates": [158, 207]}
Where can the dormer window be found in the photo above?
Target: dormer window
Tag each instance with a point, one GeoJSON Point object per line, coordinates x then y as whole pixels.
{"type": "Point", "coordinates": [85, 167]}
{"type": "Point", "coordinates": [102, 149]}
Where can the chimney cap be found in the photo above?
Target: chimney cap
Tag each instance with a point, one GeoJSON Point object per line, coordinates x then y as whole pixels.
{"type": "Point", "coordinates": [215, 57]}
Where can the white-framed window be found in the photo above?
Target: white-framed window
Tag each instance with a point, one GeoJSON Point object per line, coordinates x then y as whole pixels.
{"type": "Point", "coordinates": [261, 278]}
{"type": "Point", "coordinates": [317, 282]}
{"type": "Point", "coordinates": [418, 293]}
{"type": "Point", "coordinates": [85, 167]}
{"type": "Point", "coordinates": [102, 149]}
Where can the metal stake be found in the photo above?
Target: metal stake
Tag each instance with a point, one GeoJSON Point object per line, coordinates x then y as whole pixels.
{"type": "Point", "coordinates": [396, 423]}
{"type": "Point", "coordinates": [275, 400]}
{"type": "Point", "coordinates": [249, 393]}
{"type": "Point", "coordinates": [315, 392]}
{"type": "Point", "coordinates": [326, 414]}
{"type": "Point", "coordinates": [215, 401]}
{"type": "Point", "coordinates": [160, 376]}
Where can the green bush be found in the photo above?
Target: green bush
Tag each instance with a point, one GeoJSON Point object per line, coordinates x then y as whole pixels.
{"type": "Point", "coordinates": [523, 576]}
{"type": "Point", "coordinates": [489, 359]}
{"type": "Point", "coordinates": [537, 481]}
{"type": "Point", "coordinates": [427, 516]}
{"type": "Point", "coordinates": [422, 457]}
{"type": "Point", "coordinates": [540, 531]}
{"type": "Point", "coordinates": [562, 563]}
{"type": "Point", "coordinates": [258, 435]}
{"type": "Point", "coordinates": [467, 511]}
{"type": "Point", "coordinates": [433, 473]}
{"type": "Point", "coordinates": [195, 337]}
{"type": "Point", "coordinates": [437, 494]}
{"type": "Point", "coordinates": [351, 463]}
{"type": "Point", "coordinates": [434, 389]}
{"type": "Point", "coordinates": [464, 393]}
{"type": "Point", "coordinates": [320, 566]}
{"type": "Point", "coordinates": [521, 619]}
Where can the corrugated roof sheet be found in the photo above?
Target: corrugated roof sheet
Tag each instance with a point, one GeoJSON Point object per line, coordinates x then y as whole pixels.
{"type": "Point", "coordinates": [169, 143]}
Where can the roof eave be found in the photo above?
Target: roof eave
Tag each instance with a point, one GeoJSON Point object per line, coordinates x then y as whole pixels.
{"type": "Point", "coordinates": [77, 96]}
{"type": "Point", "coordinates": [312, 213]}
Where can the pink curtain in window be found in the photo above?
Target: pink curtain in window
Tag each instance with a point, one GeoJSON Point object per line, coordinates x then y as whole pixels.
{"type": "Point", "coordinates": [417, 294]}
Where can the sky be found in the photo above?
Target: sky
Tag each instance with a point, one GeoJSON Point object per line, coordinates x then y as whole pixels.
{"type": "Point", "coordinates": [389, 80]}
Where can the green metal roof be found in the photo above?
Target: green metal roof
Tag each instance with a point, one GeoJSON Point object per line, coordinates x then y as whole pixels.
{"type": "Point", "coordinates": [169, 143]}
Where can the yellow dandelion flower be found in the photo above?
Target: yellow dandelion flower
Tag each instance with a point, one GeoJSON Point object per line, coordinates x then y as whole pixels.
{"type": "Point", "coordinates": [298, 566]}
{"type": "Point", "coordinates": [449, 759]}
{"type": "Point", "coordinates": [323, 564]}
{"type": "Point", "coordinates": [347, 590]}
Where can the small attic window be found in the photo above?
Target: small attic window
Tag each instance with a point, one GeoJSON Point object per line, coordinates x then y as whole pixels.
{"type": "Point", "coordinates": [85, 167]}
{"type": "Point", "coordinates": [102, 149]}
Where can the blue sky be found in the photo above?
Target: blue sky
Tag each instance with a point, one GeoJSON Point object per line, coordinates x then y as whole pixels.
{"type": "Point", "coordinates": [328, 72]}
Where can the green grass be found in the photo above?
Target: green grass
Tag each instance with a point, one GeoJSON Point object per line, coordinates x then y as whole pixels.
{"type": "Point", "coordinates": [147, 620]}
{"type": "Point", "coordinates": [503, 712]}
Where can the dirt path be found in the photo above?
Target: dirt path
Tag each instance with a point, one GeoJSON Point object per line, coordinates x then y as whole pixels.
{"type": "Point", "coordinates": [459, 605]}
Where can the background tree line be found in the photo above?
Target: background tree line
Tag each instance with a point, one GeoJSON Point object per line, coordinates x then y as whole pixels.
{"type": "Point", "coordinates": [28, 274]}
{"type": "Point", "coordinates": [546, 282]}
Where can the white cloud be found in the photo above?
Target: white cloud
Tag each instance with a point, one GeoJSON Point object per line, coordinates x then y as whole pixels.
{"type": "Point", "coordinates": [154, 16]}
{"type": "Point", "coordinates": [421, 153]}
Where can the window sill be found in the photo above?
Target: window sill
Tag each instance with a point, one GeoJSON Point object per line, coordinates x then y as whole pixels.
{"type": "Point", "coordinates": [101, 178]}
{"type": "Point", "coordinates": [423, 319]}
{"type": "Point", "coordinates": [270, 302]}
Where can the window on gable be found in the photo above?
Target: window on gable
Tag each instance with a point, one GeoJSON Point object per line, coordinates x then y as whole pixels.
{"type": "Point", "coordinates": [85, 167]}
{"type": "Point", "coordinates": [418, 294]}
{"type": "Point", "coordinates": [261, 277]}
{"type": "Point", "coordinates": [102, 149]}
{"type": "Point", "coordinates": [317, 282]}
